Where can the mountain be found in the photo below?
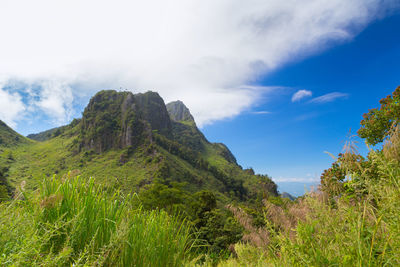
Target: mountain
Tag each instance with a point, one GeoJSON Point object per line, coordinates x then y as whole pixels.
{"type": "Point", "coordinates": [179, 112]}
{"type": "Point", "coordinates": [287, 195]}
{"type": "Point", "coordinates": [46, 135]}
{"type": "Point", "coordinates": [9, 138]}
{"type": "Point", "coordinates": [128, 140]}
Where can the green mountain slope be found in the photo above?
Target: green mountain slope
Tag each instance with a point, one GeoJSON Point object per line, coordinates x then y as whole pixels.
{"type": "Point", "coordinates": [10, 138]}
{"type": "Point", "coordinates": [127, 141]}
{"type": "Point", "coordinates": [46, 135]}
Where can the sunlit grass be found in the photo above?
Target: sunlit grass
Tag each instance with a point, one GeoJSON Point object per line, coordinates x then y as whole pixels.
{"type": "Point", "coordinates": [73, 221]}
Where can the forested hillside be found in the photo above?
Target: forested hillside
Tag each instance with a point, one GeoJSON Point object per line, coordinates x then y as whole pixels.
{"type": "Point", "coordinates": [162, 195]}
{"type": "Point", "coordinates": [135, 144]}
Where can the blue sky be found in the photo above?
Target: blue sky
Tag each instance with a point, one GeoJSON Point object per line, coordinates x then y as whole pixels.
{"type": "Point", "coordinates": [279, 82]}
{"type": "Point", "coordinates": [289, 142]}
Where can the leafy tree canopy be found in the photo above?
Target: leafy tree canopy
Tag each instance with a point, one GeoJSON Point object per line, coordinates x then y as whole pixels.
{"type": "Point", "coordinates": [378, 122]}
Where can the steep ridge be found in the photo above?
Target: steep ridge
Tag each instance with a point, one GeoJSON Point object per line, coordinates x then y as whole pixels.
{"type": "Point", "coordinates": [128, 140]}
{"type": "Point", "coordinates": [9, 138]}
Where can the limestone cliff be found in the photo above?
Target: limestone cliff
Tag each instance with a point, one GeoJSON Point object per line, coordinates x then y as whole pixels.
{"type": "Point", "coordinates": [120, 119]}
{"type": "Point", "coordinates": [179, 112]}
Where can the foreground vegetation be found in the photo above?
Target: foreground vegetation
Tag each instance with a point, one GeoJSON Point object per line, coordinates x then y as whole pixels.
{"type": "Point", "coordinates": [352, 220]}
{"type": "Point", "coordinates": [73, 221]}
{"type": "Point", "coordinates": [357, 227]}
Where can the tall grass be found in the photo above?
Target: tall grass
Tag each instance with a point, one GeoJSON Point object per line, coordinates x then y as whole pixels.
{"type": "Point", "coordinates": [152, 239]}
{"type": "Point", "coordinates": [73, 221]}
{"type": "Point", "coordinates": [81, 211]}
{"type": "Point", "coordinates": [359, 227]}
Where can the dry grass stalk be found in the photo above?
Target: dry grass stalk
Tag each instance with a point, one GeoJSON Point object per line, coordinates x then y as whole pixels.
{"type": "Point", "coordinates": [18, 194]}
{"type": "Point", "coordinates": [286, 220]}
{"type": "Point", "coordinates": [391, 148]}
{"type": "Point", "coordinates": [256, 236]}
{"type": "Point", "coordinates": [51, 201]}
{"type": "Point", "coordinates": [71, 174]}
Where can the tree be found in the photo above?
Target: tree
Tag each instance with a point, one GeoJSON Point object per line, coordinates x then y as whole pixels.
{"type": "Point", "coordinates": [378, 122]}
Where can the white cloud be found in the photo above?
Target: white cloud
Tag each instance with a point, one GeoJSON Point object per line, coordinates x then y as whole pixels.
{"type": "Point", "coordinates": [201, 52]}
{"type": "Point", "coordinates": [11, 107]}
{"type": "Point", "coordinates": [300, 95]}
{"type": "Point", "coordinates": [55, 99]}
{"type": "Point", "coordinates": [328, 97]}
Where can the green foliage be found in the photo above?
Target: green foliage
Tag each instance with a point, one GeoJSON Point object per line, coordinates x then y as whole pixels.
{"type": "Point", "coordinates": [160, 196]}
{"type": "Point", "coordinates": [187, 134]}
{"type": "Point", "coordinates": [153, 239]}
{"type": "Point", "coordinates": [358, 228]}
{"type": "Point", "coordinates": [3, 192]}
{"type": "Point", "coordinates": [217, 228]}
{"type": "Point", "coordinates": [4, 187]}
{"type": "Point", "coordinates": [83, 202]}
{"type": "Point", "coordinates": [232, 186]}
{"type": "Point", "coordinates": [10, 138]}
{"type": "Point", "coordinates": [378, 122]}
{"type": "Point", "coordinates": [74, 222]}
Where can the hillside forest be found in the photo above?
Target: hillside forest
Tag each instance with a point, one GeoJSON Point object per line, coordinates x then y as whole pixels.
{"type": "Point", "coordinates": [134, 182]}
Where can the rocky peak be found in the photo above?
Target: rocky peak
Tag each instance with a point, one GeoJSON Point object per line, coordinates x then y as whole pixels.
{"type": "Point", "coordinates": [153, 110]}
{"type": "Point", "coordinates": [120, 119]}
{"type": "Point", "coordinates": [179, 112]}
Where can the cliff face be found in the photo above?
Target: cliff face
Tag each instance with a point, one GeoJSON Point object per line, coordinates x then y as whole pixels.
{"type": "Point", "coordinates": [153, 110]}
{"type": "Point", "coordinates": [114, 120]}
{"type": "Point", "coordinates": [179, 112]}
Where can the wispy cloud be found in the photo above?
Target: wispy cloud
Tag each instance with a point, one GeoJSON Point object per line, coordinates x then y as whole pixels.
{"type": "Point", "coordinates": [328, 97]}
{"type": "Point", "coordinates": [299, 95]}
{"type": "Point", "coordinates": [201, 52]}
{"type": "Point", "coordinates": [307, 116]}
{"type": "Point", "coordinates": [296, 179]}
{"type": "Point", "coordinates": [261, 112]}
